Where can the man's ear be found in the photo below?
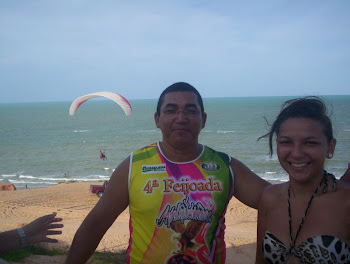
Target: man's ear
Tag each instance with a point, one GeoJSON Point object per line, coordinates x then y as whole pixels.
{"type": "Point", "coordinates": [156, 119]}
{"type": "Point", "coordinates": [204, 119]}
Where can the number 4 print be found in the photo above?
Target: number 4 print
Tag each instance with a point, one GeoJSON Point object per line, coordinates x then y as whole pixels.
{"type": "Point", "coordinates": [150, 185]}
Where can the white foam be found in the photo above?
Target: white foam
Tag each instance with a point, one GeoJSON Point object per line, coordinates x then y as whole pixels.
{"type": "Point", "coordinates": [80, 131]}
{"type": "Point", "coordinates": [225, 131]}
{"type": "Point", "coordinates": [9, 175]}
{"type": "Point", "coordinates": [27, 177]}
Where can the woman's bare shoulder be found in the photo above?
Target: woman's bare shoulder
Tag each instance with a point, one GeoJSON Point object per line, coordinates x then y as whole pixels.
{"type": "Point", "coordinates": [273, 194]}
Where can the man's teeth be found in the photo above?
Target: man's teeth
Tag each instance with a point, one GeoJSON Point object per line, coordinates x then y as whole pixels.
{"type": "Point", "coordinates": [298, 164]}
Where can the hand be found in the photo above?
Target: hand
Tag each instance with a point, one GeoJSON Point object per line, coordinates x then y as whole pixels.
{"type": "Point", "coordinates": [38, 230]}
{"type": "Point", "coordinates": [346, 176]}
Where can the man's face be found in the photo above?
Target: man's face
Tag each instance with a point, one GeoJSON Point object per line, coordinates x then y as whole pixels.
{"type": "Point", "coordinates": [180, 119]}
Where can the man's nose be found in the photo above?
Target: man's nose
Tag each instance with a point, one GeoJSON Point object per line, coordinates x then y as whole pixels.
{"type": "Point", "coordinates": [181, 115]}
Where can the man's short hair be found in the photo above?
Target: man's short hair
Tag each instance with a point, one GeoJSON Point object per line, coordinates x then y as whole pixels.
{"type": "Point", "coordinates": [180, 87]}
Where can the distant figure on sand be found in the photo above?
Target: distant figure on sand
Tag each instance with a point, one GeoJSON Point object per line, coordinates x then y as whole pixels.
{"type": "Point", "coordinates": [102, 155]}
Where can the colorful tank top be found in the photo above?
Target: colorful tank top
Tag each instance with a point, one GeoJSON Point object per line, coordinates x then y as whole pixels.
{"type": "Point", "coordinates": [177, 209]}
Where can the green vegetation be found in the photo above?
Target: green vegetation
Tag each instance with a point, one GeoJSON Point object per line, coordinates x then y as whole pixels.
{"type": "Point", "coordinates": [109, 257]}
{"type": "Point", "coordinates": [22, 253]}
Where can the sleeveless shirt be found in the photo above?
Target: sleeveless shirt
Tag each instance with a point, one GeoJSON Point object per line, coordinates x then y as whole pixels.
{"type": "Point", "coordinates": [177, 209]}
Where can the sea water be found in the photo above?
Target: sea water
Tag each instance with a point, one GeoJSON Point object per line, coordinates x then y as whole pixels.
{"type": "Point", "coordinates": [41, 145]}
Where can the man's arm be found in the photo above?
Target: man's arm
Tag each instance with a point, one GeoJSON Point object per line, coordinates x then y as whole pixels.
{"type": "Point", "coordinates": [248, 186]}
{"type": "Point", "coordinates": [346, 176]}
{"type": "Point", "coordinates": [114, 201]}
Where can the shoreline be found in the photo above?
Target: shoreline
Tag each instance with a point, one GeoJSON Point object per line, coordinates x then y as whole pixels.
{"type": "Point", "coordinates": [73, 201]}
{"type": "Point", "coordinates": [35, 187]}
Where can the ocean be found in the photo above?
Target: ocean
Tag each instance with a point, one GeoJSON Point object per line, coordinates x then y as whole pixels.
{"type": "Point", "coordinates": [41, 145]}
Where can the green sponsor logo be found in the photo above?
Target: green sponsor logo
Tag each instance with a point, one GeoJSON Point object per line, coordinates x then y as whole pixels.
{"type": "Point", "coordinates": [210, 166]}
{"type": "Point", "coordinates": [153, 168]}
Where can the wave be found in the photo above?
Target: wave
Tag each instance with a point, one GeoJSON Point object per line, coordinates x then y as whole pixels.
{"type": "Point", "coordinates": [80, 131]}
{"type": "Point", "coordinates": [27, 177]}
{"type": "Point", "coordinates": [225, 131]}
{"type": "Point", "coordinates": [9, 175]}
{"type": "Point", "coordinates": [147, 130]}
{"type": "Point", "coordinates": [34, 183]}
{"type": "Point", "coordinates": [109, 169]}
{"type": "Point", "coordinates": [52, 181]}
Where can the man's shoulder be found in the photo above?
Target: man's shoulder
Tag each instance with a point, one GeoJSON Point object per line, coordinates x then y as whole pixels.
{"type": "Point", "coordinates": [210, 153]}
{"type": "Point", "coordinates": [214, 150]}
{"type": "Point", "coordinates": [146, 152]}
{"type": "Point", "coordinates": [147, 147]}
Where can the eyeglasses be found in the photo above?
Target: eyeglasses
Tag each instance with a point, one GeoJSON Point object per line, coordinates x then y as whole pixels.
{"type": "Point", "coordinates": [187, 112]}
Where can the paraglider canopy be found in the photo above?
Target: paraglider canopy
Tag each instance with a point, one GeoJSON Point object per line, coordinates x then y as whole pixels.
{"type": "Point", "coordinates": [120, 100]}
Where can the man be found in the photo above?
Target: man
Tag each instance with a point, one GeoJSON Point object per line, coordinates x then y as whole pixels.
{"type": "Point", "coordinates": [177, 191]}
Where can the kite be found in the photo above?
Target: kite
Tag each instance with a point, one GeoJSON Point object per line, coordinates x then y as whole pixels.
{"type": "Point", "coordinates": [120, 100]}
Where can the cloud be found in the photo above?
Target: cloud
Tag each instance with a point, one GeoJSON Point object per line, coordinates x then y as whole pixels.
{"type": "Point", "coordinates": [152, 43]}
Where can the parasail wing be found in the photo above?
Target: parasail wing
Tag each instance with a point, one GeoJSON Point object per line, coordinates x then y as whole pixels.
{"type": "Point", "coordinates": [120, 100]}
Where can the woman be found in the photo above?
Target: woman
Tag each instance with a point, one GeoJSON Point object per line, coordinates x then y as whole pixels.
{"type": "Point", "coordinates": [307, 219]}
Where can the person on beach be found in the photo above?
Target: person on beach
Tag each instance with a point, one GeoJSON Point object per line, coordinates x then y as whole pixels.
{"type": "Point", "coordinates": [307, 219]}
{"type": "Point", "coordinates": [177, 191]}
{"type": "Point", "coordinates": [32, 233]}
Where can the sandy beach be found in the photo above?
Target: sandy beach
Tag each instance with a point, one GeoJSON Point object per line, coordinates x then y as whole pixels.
{"type": "Point", "coordinates": [72, 202]}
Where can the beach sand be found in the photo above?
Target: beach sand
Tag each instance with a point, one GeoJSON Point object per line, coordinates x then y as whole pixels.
{"type": "Point", "coordinates": [72, 202]}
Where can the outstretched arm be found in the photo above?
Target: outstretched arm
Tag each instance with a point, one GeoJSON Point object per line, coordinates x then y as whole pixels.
{"type": "Point", "coordinates": [35, 232]}
{"type": "Point", "coordinates": [346, 176]}
{"type": "Point", "coordinates": [248, 186]}
{"type": "Point", "coordinates": [113, 202]}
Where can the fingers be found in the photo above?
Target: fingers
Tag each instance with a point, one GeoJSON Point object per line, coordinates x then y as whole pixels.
{"type": "Point", "coordinates": [55, 220]}
{"type": "Point", "coordinates": [51, 226]}
{"type": "Point", "coordinates": [49, 216]}
{"type": "Point", "coordinates": [53, 232]}
{"type": "Point", "coordinates": [50, 240]}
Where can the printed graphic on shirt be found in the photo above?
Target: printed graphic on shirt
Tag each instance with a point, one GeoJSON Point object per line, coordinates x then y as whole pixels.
{"type": "Point", "coordinates": [184, 210]}
{"type": "Point", "coordinates": [187, 220]}
{"type": "Point", "coordinates": [159, 168]}
{"type": "Point", "coordinates": [184, 186]}
{"type": "Point", "coordinates": [210, 166]}
{"type": "Point", "coordinates": [177, 209]}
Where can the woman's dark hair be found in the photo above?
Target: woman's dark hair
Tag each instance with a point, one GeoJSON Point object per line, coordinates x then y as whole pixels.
{"type": "Point", "coordinates": [307, 107]}
{"type": "Point", "coordinates": [180, 87]}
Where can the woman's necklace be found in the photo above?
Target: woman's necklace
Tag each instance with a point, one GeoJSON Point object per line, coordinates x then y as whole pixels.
{"type": "Point", "coordinates": [325, 179]}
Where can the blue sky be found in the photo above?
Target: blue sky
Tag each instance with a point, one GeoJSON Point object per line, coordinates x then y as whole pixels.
{"type": "Point", "coordinates": [60, 50]}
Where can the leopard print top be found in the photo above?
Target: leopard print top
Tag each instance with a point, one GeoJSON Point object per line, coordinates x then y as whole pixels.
{"type": "Point", "coordinates": [317, 249]}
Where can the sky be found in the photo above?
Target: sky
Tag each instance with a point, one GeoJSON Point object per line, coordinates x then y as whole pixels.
{"type": "Point", "coordinates": [60, 50]}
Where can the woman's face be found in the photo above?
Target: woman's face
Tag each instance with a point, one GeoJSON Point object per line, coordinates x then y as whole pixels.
{"type": "Point", "coordinates": [302, 148]}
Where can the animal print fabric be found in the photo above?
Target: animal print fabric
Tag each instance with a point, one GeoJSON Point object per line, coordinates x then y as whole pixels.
{"type": "Point", "coordinates": [319, 249]}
